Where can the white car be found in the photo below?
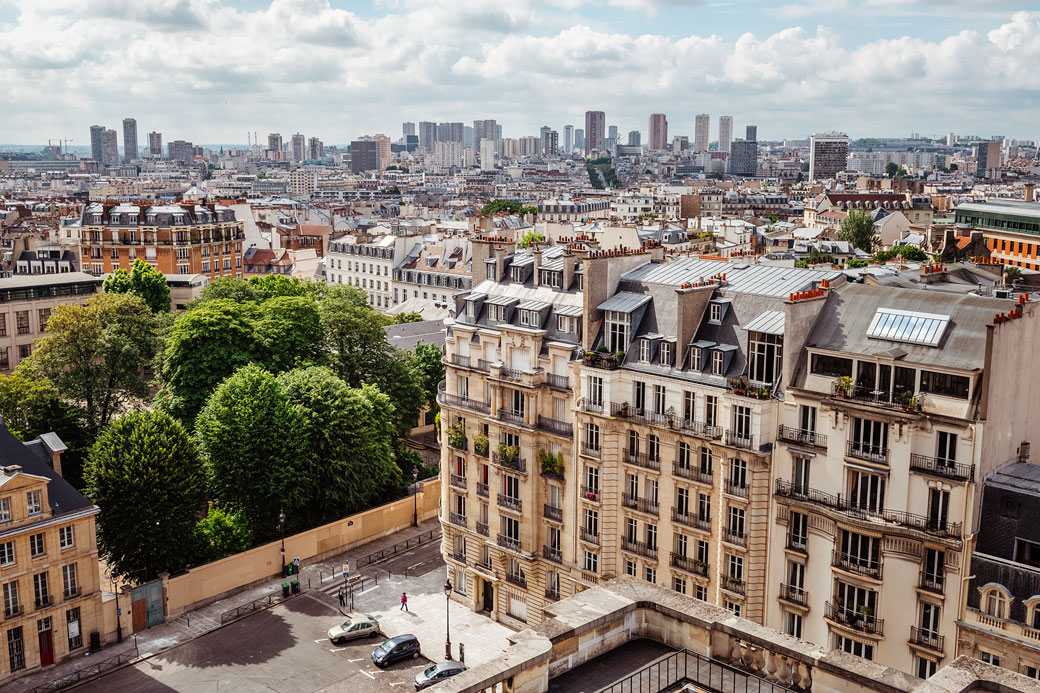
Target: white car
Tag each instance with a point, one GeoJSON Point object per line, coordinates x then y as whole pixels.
{"type": "Point", "coordinates": [356, 626]}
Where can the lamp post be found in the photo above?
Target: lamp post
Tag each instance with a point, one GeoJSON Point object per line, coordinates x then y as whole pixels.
{"type": "Point", "coordinates": [447, 620]}
{"type": "Point", "coordinates": [119, 614]}
{"type": "Point", "coordinates": [415, 500]}
{"type": "Point", "coordinates": [281, 526]}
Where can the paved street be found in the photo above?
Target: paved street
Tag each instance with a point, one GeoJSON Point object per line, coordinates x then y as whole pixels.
{"type": "Point", "coordinates": [285, 649]}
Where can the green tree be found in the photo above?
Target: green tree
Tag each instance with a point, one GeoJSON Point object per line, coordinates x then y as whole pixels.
{"type": "Point", "coordinates": [858, 229]}
{"type": "Point", "coordinates": [94, 354]}
{"type": "Point", "coordinates": [499, 206]}
{"type": "Point", "coordinates": [531, 237]}
{"type": "Point", "coordinates": [238, 290]}
{"type": "Point", "coordinates": [891, 169]}
{"type": "Point", "coordinates": [402, 318]}
{"type": "Point", "coordinates": [351, 431]}
{"type": "Point", "coordinates": [142, 280]}
{"type": "Point", "coordinates": [205, 345]}
{"type": "Point", "coordinates": [910, 253]}
{"type": "Point", "coordinates": [144, 474]}
{"type": "Point", "coordinates": [221, 534]}
{"type": "Point", "coordinates": [288, 332]}
{"type": "Point", "coordinates": [254, 444]}
{"type": "Point", "coordinates": [430, 369]}
{"type": "Point", "coordinates": [272, 285]}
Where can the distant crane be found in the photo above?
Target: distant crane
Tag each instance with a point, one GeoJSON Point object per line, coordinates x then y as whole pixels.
{"type": "Point", "coordinates": [61, 140]}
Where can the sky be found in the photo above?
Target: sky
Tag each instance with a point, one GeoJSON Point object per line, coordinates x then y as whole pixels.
{"type": "Point", "coordinates": [210, 71]}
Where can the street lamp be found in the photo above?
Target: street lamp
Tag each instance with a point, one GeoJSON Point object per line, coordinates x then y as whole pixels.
{"type": "Point", "coordinates": [415, 500]}
{"type": "Point", "coordinates": [281, 526]}
{"type": "Point", "coordinates": [119, 619]}
{"type": "Point", "coordinates": [447, 619]}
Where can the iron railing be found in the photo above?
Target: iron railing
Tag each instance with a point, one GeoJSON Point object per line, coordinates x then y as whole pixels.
{"type": "Point", "coordinates": [465, 403]}
{"type": "Point", "coordinates": [586, 535]}
{"type": "Point", "coordinates": [457, 519]}
{"type": "Point", "coordinates": [510, 503]}
{"type": "Point", "coordinates": [517, 579]}
{"type": "Point", "coordinates": [590, 450]}
{"type": "Point", "coordinates": [512, 417]}
{"type": "Point", "coordinates": [859, 450]}
{"type": "Point", "coordinates": [482, 489]}
{"type": "Point", "coordinates": [640, 547]}
{"type": "Point", "coordinates": [400, 547]}
{"type": "Point", "coordinates": [927, 638]}
{"type": "Point", "coordinates": [793, 594]}
{"type": "Point", "coordinates": [552, 554]}
{"type": "Point", "coordinates": [690, 565]}
{"type": "Point", "coordinates": [590, 492]}
{"type": "Point", "coordinates": [737, 488]}
{"type": "Point", "coordinates": [643, 505]}
{"type": "Point", "coordinates": [641, 459]}
{"type": "Point", "coordinates": [679, 669]}
{"type": "Point", "coordinates": [89, 672]}
{"type": "Point", "coordinates": [557, 382]}
{"type": "Point", "coordinates": [735, 585]}
{"type": "Point", "coordinates": [856, 564]}
{"type": "Point", "coordinates": [735, 538]}
{"type": "Point", "coordinates": [508, 543]}
{"type": "Point", "coordinates": [862, 619]}
{"type": "Point", "coordinates": [458, 481]}
{"type": "Point", "coordinates": [552, 512]}
{"type": "Point", "coordinates": [482, 528]}
{"type": "Point", "coordinates": [509, 461]}
{"type": "Point", "coordinates": [933, 582]}
{"type": "Point", "coordinates": [942, 467]}
{"type": "Point", "coordinates": [555, 426]}
{"type": "Point", "coordinates": [790, 434]}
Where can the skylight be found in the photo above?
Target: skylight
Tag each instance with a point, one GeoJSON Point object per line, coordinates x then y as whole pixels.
{"type": "Point", "coordinates": [904, 326]}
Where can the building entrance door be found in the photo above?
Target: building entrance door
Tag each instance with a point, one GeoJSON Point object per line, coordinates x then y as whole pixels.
{"type": "Point", "coordinates": [46, 648]}
{"type": "Point", "coordinates": [489, 596]}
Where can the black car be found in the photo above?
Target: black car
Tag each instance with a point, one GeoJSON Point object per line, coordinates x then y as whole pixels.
{"type": "Point", "coordinates": [396, 649]}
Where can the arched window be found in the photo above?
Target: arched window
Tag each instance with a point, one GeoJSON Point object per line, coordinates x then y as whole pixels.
{"type": "Point", "coordinates": [995, 600]}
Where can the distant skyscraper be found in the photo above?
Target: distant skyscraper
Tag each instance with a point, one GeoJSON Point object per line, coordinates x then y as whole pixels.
{"type": "Point", "coordinates": [550, 142]}
{"type": "Point", "coordinates": [498, 132]}
{"type": "Point", "coordinates": [487, 154]}
{"type": "Point", "coordinates": [110, 147]}
{"type": "Point", "coordinates": [568, 139]}
{"type": "Point", "coordinates": [315, 148]}
{"type": "Point", "coordinates": [828, 154]}
{"type": "Point", "coordinates": [467, 136]}
{"type": "Point", "coordinates": [743, 159]}
{"type": "Point", "coordinates": [612, 132]}
{"type": "Point", "coordinates": [579, 139]}
{"type": "Point", "coordinates": [542, 130]}
{"type": "Point", "coordinates": [451, 132]}
{"type": "Point", "coordinates": [657, 138]}
{"type": "Point", "coordinates": [427, 135]}
{"type": "Point", "coordinates": [407, 129]}
{"type": "Point", "coordinates": [987, 158]}
{"type": "Point", "coordinates": [297, 148]}
{"type": "Point", "coordinates": [595, 130]}
{"type": "Point", "coordinates": [752, 133]}
{"type": "Point", "coordinates": [155, 144]}
{"type": "Point", "coordinates": [633, 138]}
{"type": "Point", "coordinates": [97, 134]}
{"type": "Point", "coordinates": [180, 150]}
{"type": "Point", "coordinates": [486, 129]}
{"type": "Point", "coordinates": [951, 139]}
{"type": "Point", "coordinates": [274, 145]}
{"type": "Point", "coordinates": [680, 143]}
{"type": "Point", "coordinates": [384, 149]}
{"type": "Point", "coordinates": [701, 130]}
{"type": "Point", "coordinates": [725, 133]}
{"type": "Point", "coordinates": [129, 140]}
{"type": "Point", "coordinates": [364, 155]}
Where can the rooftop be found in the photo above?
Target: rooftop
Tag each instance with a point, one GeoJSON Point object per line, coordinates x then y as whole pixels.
{"type": "Point", "coordinates": [761, 280]}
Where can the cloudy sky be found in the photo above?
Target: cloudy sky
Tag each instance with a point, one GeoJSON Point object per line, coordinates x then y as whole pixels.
{"type": "Point", "coordinates": [211, 70]}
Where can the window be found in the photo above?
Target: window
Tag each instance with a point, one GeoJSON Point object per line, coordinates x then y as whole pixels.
{"type": "Point", "coordinates": [995, 603]}
{"type": "Point", "coordinates": [3, 324]}
{"type": "Point", "coordinates": [22, 320]}
{"type": "Point", "coordinates": [735, 568]}
{"type": "Point", "coordinates": [645, 350]}
{"type": "Point", "coordinates": [766, 357]}
{"type": "Point", "coordinates": [659, 399]}
{"type": "Point", "coordinates": [807, 420]}
{"type": "Point", "coordinates": [5, 359]}
{"type": "Point", "coordinates": [718, 361]}
{"type": "Point", "coordinates": [711, 410]}
{"type": "Point", "coordinates": [11, 599]}
{"type": "Point", "coordinates": [945, 448]}
{"type": "Point", "coordinates": [5, 509]}
{"type": "Point", "coordinates": [530, 318]}
{"type": "Point", "coordinates": [40, 590]}
{"type": "Point", "coordinates": [36, 547]}
{"type": "Point", "coordinates": [75, 637]}
{"type": "Point", "coordinates": [735, 525]}
{"type": "Point", "coordinates": [650, 575]}
{"type": "Point", "coordinates": [925, 667]}
{"type": "Point", "coordinates": [867, 491]}
{"type": "Point", "coordinates": [682, 501]}
{"type": "Point", "coordinates": [700, 592]}
{"type": "Point", "coordinates": [653, 447]}
{"type": "Point", "coordinates": [618, 327]}
{"type": "Point", "coordinates": [596, 390]}
{"type": "Point", "coordinates": [1031, 672]}
{"type": "Point", "coordinates": [869, 437]}
{"type": "Point", "coordinates": [567, 324]}
{"type": "Point", "coordinates": [800, 476]}
{"type": "Point", "coordinates": [651, 536]}
{"type": "Point", "coordinates": [45, 315]}
{"type": "Point", "coordinates": [68, 578]}
{"type": "Point", "coordinates": [1027, 552]}
{"type": "Point", "coordinates": [706, 462]}
{"type": "Point", "coordinates": [667, 353]}
{"type": "Point", "coordinates": [732, 606]}
{"type": "Point", "coordinates": [65, 537]}
{"type": "Point", "coordinates": [24, 350]}
{"type": "Point", "coordinates": [854, 647]}
{"type": "Point", "coordinates": [16, 648]}
{"type": "Point", "coordinates": [679, 585]}
{"type": "Point", "coordinates": [798, 531]}
{"type": "Point", "coordinates": [742, 422]}
{"type": "Point", "coordinates": [945, 384]}
{"type": "Point", "coordinates": [639, 396]}
{"type": "Point", "coordinates": [683, 457]}
{"type": "Point", "coordinates": [934, 568]}
{"type": "Point", "coordinates": [738, 473]}
{"type": "Point", "coordinates": [7, 553]}
{"type": "Point", "coordinates": [689, 406]}
{"type": "Point", "coordinates": [715, 313]}
{"type": "Point", "coordinates": [793, 624]}
{"type": "Point", "coordinates": [836, 366]}
{"type": "Point", "coordinates": [33, 502]}
{"type": "Point", "coordinates": [592, 438]}
{"type": "Point", "coordinates": [695, 359]}
{"type": "Point", "coordinates": [703, 507]}
{"type": "Point", "coordinates": [496, 313]}
{"type": "Point", "coordinates": [989, 658]}
{"type": "Point", "coordinates": [591, 562]}
{"type": "Point", "coordinates": [592, 522]}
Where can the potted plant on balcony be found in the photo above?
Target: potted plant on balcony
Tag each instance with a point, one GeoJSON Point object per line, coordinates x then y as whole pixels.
{"type": "Point", "coordinates": [507, 454]}
{"type": "Point", "coordinates": [551, 464]}
{"type": "Point", "coordinates": [842, 386]}
{"type": "Point", "coordinates": [738, 387]}
{"type": "Point", "coordinates": [863, 616]}
{"type": "Point", "coordinates": [701, 564]}
{"type": "Point", "coordinates": [480, 444]}
{"type": "Point", "coordinates": [456, 436]}
{"type": "Point", "coordinates": [623, 409]}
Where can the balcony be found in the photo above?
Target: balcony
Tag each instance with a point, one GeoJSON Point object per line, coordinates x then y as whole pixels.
{"type": "Point", "coordinates": [700, 429]}
{"type": "Point", "coordinates": [861, 619]}
{"type": "Point", "coordinates": [509, 503]}
{"type": "Point", "coordinates": [552, 594]}
{"type": "Point", "coordinates": [457, 402]}
{"type": "Point", "coordinates": [44, 601]}
{"type": "Point", "coordinates": [933, 526]}
{"type": "Point", "coordinates": [482, 528]}
{"type": "Point", "coordinates": [555, 426]}
{"type": "Point", "coordinates": [460, 557]}
{"type": "Point", "coordinates": [552, 513]}
{"type": "Point", "coordinates": [623, 410]}
{"type": "Point", "coordinates": [689, 565]}
{"type": "Point", "coordinates": [735, 585]}
{"type": "Point", "coordinates": [640, 547]}
{"type": "Point", "coordinates": [856, 564]}
{"type": "Point", "coordinates": [459, 360]}
{"type": "Point", "coordinates": [736, 488]}
{"type": "Point", "coordinates": [602, 360]}
{"type": "Point", "coordinates": [643, 505]}
{"type": "Point", "coordinates": [518, 579]}
{"type": "Point", "coordinates": [551, 554]}
{"type": "Point", "coordinates": [481, 446]}
{"type": "Point", "coordinates": [867, 452]}
{"type": "Point", "coordinates": [73, 592]}
{"type": "Point", "coordinates": [927, 638]}
{"type": "Point", "coordinates": [690, 520]}
{"type": "Point", "coordinates": [457, 519]}
{"type": "Point", "coordinates": [591, 406]}
{"type": "Point", "coordinates": [590, 493]}
{"type": "Point", "coordinates": [942, 467]}
{"type": "Point", "coordinates": [591, 450]}
{"type": "Point", "coordinates": [860, 394]}
{"type": "Point", "coordinates": [512, 417]}
{"type": "Point", "coordinates": [458, 481]}
{"type": "Point", "coordinates": [591, 537]}
{"type": "Point", "coordinates": [735, 538]}
{"type": "Point", "coordinates": [13, 611]}
{"type": "Point", "coordinates": [482, 489]}
{"type": "Point", "coordinates": [457, 440]}
{"type": "Point", "coordinates": [932, 582]}
{"type": "Point", "coordinates": [795, 595]}
{"type": "Point", "coordinates": [509, 460]}
{"type": "Point", "coordinates": [508, 543]}
{"type": "Point", "coordinates": [741, 440]}
{"type": "Point", "coordinates": [643, 460]}
{"type": "Point", "coordinates": [790, 434]}
{"type": "Point", "coordinates": [557, 382]}
{"type": "Point", "coordinates": [513, 374]}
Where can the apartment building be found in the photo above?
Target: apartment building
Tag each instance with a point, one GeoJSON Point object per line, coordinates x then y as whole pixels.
{"type": "Point", "coordinates": [1011, 228]}
{"type": "Point", "coordinates": [433, 273]}
{"type": "Point", "coordinates": [894, 399]}
{"type": "Point", "coordinates": [26, 302]}
{"type": "Point", "coordinates": [48, 559]}
{"type": "Point", "coordinates": [1001, 620]}
{"type": "Point", "coordinates": [368, 261]}
{"type": "Point", "coordinates": [184, 238]}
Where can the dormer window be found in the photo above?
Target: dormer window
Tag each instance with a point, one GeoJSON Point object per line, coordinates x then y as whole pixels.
{"type": "Point", "coordinates": [567, 324]}
{"type": "Point", "coordinates": [695, 359]}
{"type": "Point", "coordinates": [618, 326]}
{"type": "Point", "coordinates": [491, 272]}
{"type": "Point", "coordinates": [529, 318]}
{"type": "Point", "coordinates": [667, 353]}
{"type": "Point", "coordinates": [718, 361]}
{"type": "Point", "coordinates": [178, 219]}
{"type": "Point", "coordinates": [5, 509]}
{"type": "Point", "coordinates": [715, 313]}
{"type": "Point", "coordinates": [645, 350]}
{"type": "Point", "coordinates": [132, 219]}
{"type": "Point", "coordinates": [97, 218]}
{"type": "Point", "coordinates": [517, 274]}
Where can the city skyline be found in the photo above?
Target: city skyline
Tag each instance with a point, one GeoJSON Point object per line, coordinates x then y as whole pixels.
{"type": "Point", "coordinates": [793, 69]}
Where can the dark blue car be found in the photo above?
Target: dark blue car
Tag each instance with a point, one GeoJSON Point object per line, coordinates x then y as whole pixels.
{"type": "Point", "coordinates": [396, 649]}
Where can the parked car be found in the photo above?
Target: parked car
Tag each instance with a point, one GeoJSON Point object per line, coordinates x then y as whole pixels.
{"type": "Point", "coordinates": [396, 649]}
{"type": "Point", "coordinates": [356, 626]}
{"type": "Point", "coordinates": [433, 675]}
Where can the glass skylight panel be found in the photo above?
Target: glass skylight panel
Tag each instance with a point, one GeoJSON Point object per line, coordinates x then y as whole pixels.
{"type": "Point", "coordinates": [904, 326]}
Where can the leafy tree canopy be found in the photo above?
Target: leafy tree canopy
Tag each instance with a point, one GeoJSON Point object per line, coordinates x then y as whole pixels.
{"type": "Point", "coordinates": [531, 237]}
{"type": "Point", "coordinates": [910, 253]}
{"type": "Point", "coordinates": [858, 229]}
{"type": "Point", "coordinates": [219, 534]}
{"type": "Point", "coordinates": [499, 206]}
{"type": "Point", "coordinates": [430, 369]}
{"type": "Point", "coordinates": [144, 474]}
{"type": "Point", "coordinates": [142, 280]}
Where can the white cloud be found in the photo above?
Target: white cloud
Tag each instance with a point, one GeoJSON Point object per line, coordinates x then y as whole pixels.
{"type": "Point", "coordinates": [201, 70]}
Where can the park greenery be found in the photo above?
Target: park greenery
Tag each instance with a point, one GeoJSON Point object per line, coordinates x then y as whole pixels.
{"type": "Point", "coordinates": [142, 280]}
{"type": "Point", "coordinates": [506, 206]}
{"type": "Point", "coordinates": [269, 395]}
{"type": "Point", "coordinates": [858, 229]}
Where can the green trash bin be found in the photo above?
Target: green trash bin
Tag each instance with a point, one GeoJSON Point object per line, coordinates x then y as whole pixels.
{"type": "Point", "coordinates": [295, 586]}
{"type": "Point", "coordinates": [285, 589]}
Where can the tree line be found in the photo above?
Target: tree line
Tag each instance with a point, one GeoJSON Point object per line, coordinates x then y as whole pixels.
{"type": "Point", "coordinates": [192, 432]}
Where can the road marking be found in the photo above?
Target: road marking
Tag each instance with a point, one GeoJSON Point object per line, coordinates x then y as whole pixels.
{"type": "Point", "coordinates": [416, 565]}
{"type": "Point", "coordinates": [398, 683]}
{"type": "Point", "coordinates": [321, 640]}
{"type": "Point", "coordinates": [368, 675]}
{"type": "Point", "coordinates": [359, 659]}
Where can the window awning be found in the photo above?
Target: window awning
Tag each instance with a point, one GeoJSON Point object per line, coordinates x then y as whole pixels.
{"type": "Point", "coordinates": [769, 322]}
{"type": "Point", "coordinates": [624, 302]}
{"type": "Point", "coordinates": [570, 311]}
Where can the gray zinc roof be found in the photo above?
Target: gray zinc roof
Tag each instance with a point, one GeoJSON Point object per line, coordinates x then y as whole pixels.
{"type": "Point", "coordinates": [624, 302]}
{"type": "Point", "coordinates": [764, 280]}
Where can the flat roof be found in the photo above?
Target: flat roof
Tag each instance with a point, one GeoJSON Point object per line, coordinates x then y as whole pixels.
{"type": "Point", "coordinates": [20, 281]}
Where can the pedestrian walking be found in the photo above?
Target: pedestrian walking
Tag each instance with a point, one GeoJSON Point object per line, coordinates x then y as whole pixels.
{"type": "Point", "coordinates": [404, 602]}
{"type": "Point", "coordinates": [342, 600]}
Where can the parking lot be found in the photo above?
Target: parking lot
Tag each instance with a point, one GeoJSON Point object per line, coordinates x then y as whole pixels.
{"type": "Point", "coordinates": [285, 648]}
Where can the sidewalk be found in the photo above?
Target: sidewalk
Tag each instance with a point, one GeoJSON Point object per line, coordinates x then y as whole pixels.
{"type": "Point", "coordinates": [191, 625]}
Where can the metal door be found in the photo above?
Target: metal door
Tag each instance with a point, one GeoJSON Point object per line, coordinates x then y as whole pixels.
{"type": "Point", "coordinates": [489, 596]}
{"type": "Point", "coordinates": [147, 600]}
{"type": "Point", "coordinates": [46, 648]}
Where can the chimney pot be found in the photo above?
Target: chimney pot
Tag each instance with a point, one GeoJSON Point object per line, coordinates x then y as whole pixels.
{"type": "Point", "coordinates": [1023, 451]}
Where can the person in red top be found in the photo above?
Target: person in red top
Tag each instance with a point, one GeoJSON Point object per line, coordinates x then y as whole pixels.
{"type": "Point", "coordinates": [404, 602]}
